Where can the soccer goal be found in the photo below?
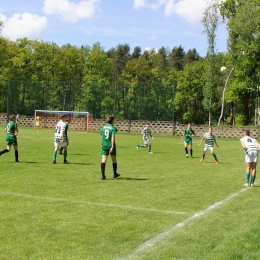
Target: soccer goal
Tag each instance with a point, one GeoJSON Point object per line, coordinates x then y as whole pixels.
{"type": "Point", "coordinates": [79, 120]}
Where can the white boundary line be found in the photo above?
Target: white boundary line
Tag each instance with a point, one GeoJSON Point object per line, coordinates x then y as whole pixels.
{"type": "Point", "coordinates": [167, 234]}
{"type": "Point", "coordinates": [91, 203]}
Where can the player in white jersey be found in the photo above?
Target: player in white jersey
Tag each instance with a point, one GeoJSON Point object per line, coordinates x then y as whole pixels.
{"type": "Point", "coordinates": [60, 139]}
{"type": "Point", "coordinates": [251, 148]}
{"type": "Point", "coordinates": [209, 139]}
{"type": "Point", "coordinates": [146, 132]}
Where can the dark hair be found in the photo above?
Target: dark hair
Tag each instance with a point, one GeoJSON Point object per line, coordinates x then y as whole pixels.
{"type": "Point", "coordinates": [110, 119]}
{"type": "Point", "coordinates": [247, 132]}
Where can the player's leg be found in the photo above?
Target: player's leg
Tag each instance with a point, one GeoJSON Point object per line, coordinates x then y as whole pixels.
{"type": "Point", "coordinates": [141, 145]}
{"type": "Point", "coordinates": [253, 173]}
{"type": "Point", "coordinates": [60, 150]}
{"type": "Point", "coordinates": [16, 153]}
{"type": "Point", "coordinates": [114, 163]}
{"type": "Point", "coordinates": [186, 149]}
{"type": "Point", "coordinates": [104, 154]}
{"type": "Point", "coordinates": [65, 154]}
{"type": "Point", "coordinates": [203, 154]}
{"type": "Point", "coordinates": [149, 144]}
{"type": "Point", "coordinates": [214, 155]}
{"type": "Point", "coordinates": [248, 168]}
{"type": "Point", "coordinates": [54, 154]}
{"type": "Point", "coordinates": [6, 150]}
{"type": "Point", "coordinates": [191, 151]}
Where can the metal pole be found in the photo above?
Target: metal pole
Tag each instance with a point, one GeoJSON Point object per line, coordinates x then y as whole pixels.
{"type": "Point", "coordinates": [7, 102]}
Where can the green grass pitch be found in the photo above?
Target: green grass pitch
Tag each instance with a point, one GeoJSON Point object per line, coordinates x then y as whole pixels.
{"type": "Point", "coordinates": [164, 206]}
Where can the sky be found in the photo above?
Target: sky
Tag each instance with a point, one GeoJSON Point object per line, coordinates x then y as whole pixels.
{"type": "Point", "coordinates": [145, 23]}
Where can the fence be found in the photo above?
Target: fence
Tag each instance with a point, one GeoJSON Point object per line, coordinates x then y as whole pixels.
{"type": "Point", "coordinates": [135, 126]}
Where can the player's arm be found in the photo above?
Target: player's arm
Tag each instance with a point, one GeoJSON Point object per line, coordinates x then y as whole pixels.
{"type": "Point", "coordinates": [215, 142]}
{"type": "Point", "coordinates": [257, 145]}
{"type": "Point", "coordinates": [201, 141]}
{"type": "Point", "coordinates": [113, 139]}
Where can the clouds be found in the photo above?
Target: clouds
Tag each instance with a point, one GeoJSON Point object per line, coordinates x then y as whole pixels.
{"type": "Point", "coordinates": [24, 25]}
{"type": "Point", "coordinates": [70, 11]}
{"type": "Point", "coordinates": [190, 10]}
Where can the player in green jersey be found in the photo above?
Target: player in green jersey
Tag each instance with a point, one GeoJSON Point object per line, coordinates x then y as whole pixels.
{"type": "Point", "coordinates": [108, 146]}
{"type": "Point", "coordinates": [209, 139]}
{"type": "Point", "coordinates": [11, 137]}
{"type": "Point", "coordinates": [187, 135]}
{"type": "Point", "coordinates": [66, 134]}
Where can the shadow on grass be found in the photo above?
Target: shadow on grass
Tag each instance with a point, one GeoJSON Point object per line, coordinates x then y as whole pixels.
{"type": "Point", "coordinates": [131, 179]}
{"type": "Point", "coordinates": [83, 163]}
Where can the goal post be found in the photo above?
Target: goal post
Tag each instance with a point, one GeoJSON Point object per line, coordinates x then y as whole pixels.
{"type": "Point", "coordinates": [79, 120]}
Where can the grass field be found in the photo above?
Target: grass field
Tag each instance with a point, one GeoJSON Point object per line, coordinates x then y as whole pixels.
{"type": "Point", "coordinates": [164, 206]}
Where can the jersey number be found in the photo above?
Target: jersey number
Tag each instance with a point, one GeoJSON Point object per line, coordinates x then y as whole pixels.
{"type": "Point", "coordinates": [106, 134]}
{"type": "Point", "coordinates": [58, 129]}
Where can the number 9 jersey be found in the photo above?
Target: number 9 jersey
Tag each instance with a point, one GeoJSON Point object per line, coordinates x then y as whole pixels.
{"type": "Point", "coordinates": [106, 134]}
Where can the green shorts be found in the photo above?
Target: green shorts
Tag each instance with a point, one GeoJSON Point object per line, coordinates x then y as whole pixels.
{"type": "Point", "coordinates": [106, 152]}
{"type": "Point", "coordinates": [11, 140]}
{"type": "Point", "coordinates": [188, 141]}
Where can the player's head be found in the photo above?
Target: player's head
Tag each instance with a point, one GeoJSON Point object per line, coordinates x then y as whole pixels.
{"type": "Point", "coordinates": [110, 120]}
{"type": "Point", "coordinates": [210, 129]}
{"type": "Point", "coordinates": [246, 133]}
{"type": "Point", "coordinates": [147, 124]}
{"type": "Point", "coordinates": [189, 125]}
{"type": "Point", "coordinates": [63, 117]}
{"type": "Point", "coordinates": [12, 117]}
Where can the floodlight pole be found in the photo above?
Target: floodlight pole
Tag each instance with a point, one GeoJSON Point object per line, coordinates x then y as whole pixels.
{"type": "Point", "coordinates": [7, 102]}
{"type": "Point", "coordinates": [225, 86]}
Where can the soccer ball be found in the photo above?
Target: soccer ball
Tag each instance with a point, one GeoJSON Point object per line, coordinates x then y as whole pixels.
{"type": "Point", "coordinates": [223, 68]}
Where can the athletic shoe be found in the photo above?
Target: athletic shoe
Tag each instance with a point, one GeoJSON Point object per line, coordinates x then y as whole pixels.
{"type": "Point", "coordinates": [17, 161]}
{"type": "Point", "coordinates": [252, 185]}
{"type": "Point", "coordinates": [60, 152]}
{"type": "Point", "coordinates": [150, 152]}
{"type": "Point", "coordinates": [187, 155]}
{"type": "Point", "coordinates": [66, 162]}
{"type": "Point", "coordinates": [103, 177]}
{"type": "Point", "coordinates": [116, 175]}
{"type": "Point", "coordinates": [216, 161]}
{"type": "Point", "coordinates": [137, 147]}
{"type": "Point", "coordinates": [202, 159]}
{"type": "Point", "coordinates": [54, 162]}
{"type": "Point", "coordinates": [247, 185]}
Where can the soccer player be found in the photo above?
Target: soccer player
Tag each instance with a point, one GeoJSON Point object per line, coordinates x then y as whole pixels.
{"type": "Point", "coordinates": [146, 132]}
{"type": "Point", "coordinates": [66, 134]}
{"type": "Point", "coordinates": [251, 148]}
{"type": "Point", "coordinates": [209, 139]}
{"type": "Point", "coordinates": [37, 123]}
{"type": "Point", "coordinates": [60, 139]}
{"type": "Point", "coordinates": [11, 137]}
{"type": "Point", "coordinates": [188, 133]}
{"type": "Point", "coordinates": [108, 146]}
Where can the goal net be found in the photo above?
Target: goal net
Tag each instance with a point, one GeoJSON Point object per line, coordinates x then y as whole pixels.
{"type": "Point", "coordinates": [79, 120]}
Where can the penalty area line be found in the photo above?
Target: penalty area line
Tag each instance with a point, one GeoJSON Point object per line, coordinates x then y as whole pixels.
{"type": "Point", "coordinates": [167, 234]}
{"type": "Point", "coordinates": [92, 203]}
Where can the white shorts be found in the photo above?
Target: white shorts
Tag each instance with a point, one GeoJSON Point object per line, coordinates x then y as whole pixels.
{"type": "Point", "coordinates": [211, 148]}
{"type": "Point", "coordinates": [63, 144]}
{"type": "Point", "coordinates": [251, 157]}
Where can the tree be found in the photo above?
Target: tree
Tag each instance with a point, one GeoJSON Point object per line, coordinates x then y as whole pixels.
{"type": "Point", "coordinates": [210, 22]}
{"type": "Point", "coordinates": [176, 58]}
{"type": "Point", "coordinates": [243, 23]}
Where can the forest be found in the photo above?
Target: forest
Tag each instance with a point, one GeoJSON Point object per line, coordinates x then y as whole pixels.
{"type": "Point", "coordinates": [164, 84]}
